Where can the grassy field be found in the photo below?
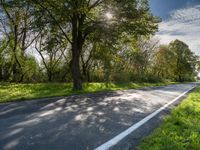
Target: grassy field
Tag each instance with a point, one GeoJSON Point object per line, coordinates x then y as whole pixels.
{"type": "Point", "coordinates": [180, 130]}
{"type": "Point", "coordinates": [18, 92]}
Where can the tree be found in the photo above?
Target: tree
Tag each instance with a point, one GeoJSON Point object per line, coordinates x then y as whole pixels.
{"type": "Point", "coordinates": [185, 60]}
{"type": "Point", "coordinates": [16, 26]}
{"type": "Point", "coordinates": [51, 51]}
{"type": "Point", "coordinates": [78, 19]}
{"type": "Point", "coordinates": [164, 62]}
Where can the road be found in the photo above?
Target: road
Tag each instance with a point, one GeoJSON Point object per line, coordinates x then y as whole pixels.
{"type": "Point", "coordinates": [81, 122]}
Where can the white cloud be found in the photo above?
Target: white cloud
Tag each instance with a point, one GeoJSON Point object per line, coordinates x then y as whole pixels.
{"type": "Point", "coordinates": [184, 24]}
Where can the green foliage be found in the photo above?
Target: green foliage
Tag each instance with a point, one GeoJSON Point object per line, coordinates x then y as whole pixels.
{"type": "Point", "coordinates": [176, 62]}
{"type": "Point", "coordinates": [74, 41]}
{"type": "Point", "coordinates": [180, 130]}
{"type": "Point", "coordinates": [31, 70]}
{"type": "Point", "coordinates": [85, 20]}
{"type": "Point", "coordinates": [184, 59]}
{"type": "Point", "coordinates": [164, 62]}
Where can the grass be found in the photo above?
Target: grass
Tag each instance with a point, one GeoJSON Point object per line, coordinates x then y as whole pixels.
{"type": "Point", "coordinates": [19, 92]}
{"type": "Point", "coordinates": [180, 130]}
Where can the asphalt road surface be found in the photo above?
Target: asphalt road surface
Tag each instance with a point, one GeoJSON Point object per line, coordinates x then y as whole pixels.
{"type": "Point", "coordinates": [81, 122]}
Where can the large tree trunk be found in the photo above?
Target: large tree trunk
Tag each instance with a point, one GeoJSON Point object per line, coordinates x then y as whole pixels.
{"type": "Point", "coordinates": [77, 44]}
{"type": "Point", "coordinates": [76, 73]}
{"type": "Point", "coordinates": [17, 68]}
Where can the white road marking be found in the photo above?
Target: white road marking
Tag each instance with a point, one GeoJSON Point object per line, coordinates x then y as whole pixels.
{"type": "Point", "coordinates": [125, 133]}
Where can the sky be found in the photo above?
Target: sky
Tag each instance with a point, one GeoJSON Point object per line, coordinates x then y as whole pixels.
{"type": "Point", "coordinates": [180, 20]}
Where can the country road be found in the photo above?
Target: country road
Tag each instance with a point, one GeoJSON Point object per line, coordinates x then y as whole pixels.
{"type": "Point", "coordinates": [81, 122]}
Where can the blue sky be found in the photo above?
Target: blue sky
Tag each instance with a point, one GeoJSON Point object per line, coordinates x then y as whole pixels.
{"type": "Point", "coordinates": [180, 20]}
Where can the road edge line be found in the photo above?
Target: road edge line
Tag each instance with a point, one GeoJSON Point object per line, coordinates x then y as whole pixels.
{"type": "Point", "coordinates": [131, 129]}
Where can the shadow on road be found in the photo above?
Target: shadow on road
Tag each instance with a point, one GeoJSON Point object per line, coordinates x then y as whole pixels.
{"type": "Point", "coordinates": [76, 122]}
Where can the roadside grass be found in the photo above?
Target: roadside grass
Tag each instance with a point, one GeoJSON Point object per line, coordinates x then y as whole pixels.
{"type": "Point", "coordinates": [180, 130]}
{"type": "Point", "coordinates": [19, 92]}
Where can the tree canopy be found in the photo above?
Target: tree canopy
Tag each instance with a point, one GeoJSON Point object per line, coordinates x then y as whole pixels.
{"type": "Point", "coordinates": [87, 40]}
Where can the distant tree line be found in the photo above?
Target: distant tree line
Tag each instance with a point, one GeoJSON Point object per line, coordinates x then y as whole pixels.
{"type": "Point", "coordinates": [76, 41]}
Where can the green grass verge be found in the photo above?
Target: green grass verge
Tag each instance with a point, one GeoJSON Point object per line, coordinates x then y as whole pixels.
{"type": "Point", "coordinates": [180, 130]}
{"type": "Point", "coordinates": [18, 92]}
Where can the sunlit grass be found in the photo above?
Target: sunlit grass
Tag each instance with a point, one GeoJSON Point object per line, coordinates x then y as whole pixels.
{"type": "Point", "coordinates": [17, 92]}
{"type": "Point", "coordinates": [180, 130]}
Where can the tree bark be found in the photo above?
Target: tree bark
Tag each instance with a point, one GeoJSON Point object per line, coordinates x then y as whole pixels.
{"type": "Point", "coordinates": [77, 44]}
{"type": "Point", "coordinates": [76, 73]}
{"type": "Point", "coordinates": [17, 68]}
